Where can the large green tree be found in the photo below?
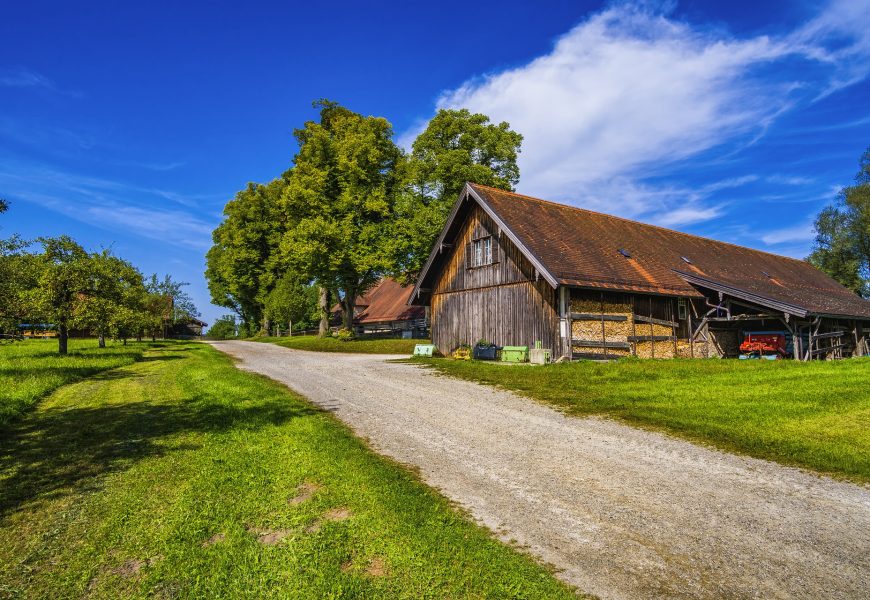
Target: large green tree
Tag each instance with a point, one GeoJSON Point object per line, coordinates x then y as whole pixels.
{"type": "Point", "coordinates": [457, 146]}
{"type": "Point", "coordinates": [241, 265]}
{"type": "Point", "coordinates": [842, 248]}
{"type": "Point", "coordinates": [112, 299]}
{"type": "Point", "coordinates": [341, 202]}
{"type": "Point", "coordinates": [64, 279]}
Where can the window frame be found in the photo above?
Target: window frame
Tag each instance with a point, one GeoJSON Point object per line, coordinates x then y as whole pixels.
{"type": "Point", "coordinates": [482, 252]}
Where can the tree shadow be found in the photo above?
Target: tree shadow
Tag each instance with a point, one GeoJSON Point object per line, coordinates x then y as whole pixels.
{"type": "Point", "coordinates": [64, 450]}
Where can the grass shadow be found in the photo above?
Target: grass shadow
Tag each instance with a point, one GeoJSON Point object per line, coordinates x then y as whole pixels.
{"type": "Point", "coordinates": [59, 451]}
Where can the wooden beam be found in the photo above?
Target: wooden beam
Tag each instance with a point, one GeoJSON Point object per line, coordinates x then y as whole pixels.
{"type": "Point", "coordinates": [652, 338]}
{"type": "Point", "coordinates": [831, 334]}
{"type": "Point", "coordinates": [599, 344]}
{"type": "Point", "coordinates": [743, 318]}
{"type": "Point", "coordinates": [653, 321]}
{"type": "Point", "coordinates": [828, 349]}
{"type": "Point", "coordinates": [597, 317]}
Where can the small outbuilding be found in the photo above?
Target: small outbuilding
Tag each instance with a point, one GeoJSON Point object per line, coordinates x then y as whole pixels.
{"type": "Point", "coordinates": [385, 309]}
{"type": "Point", "coordinates": [513, 270]}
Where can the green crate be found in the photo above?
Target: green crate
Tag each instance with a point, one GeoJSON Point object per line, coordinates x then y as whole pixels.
{"type": "Point", "coordinates": [516, 354]}
{"type": "Point", "coordinates": [424, 349]}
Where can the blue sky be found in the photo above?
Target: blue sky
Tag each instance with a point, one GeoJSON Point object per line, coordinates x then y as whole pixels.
{"type": "Point", "coordinates": [129, 125]}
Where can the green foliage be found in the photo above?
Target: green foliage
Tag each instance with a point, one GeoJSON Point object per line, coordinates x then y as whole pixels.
{"type": "Point", "coordinates": [807, 414]}
{"type": "Point", "coordinates": [18, 273]}
{"type": "Point", "coordinates": [842, 248]}
{"type": "Point", "coordinates": [292, 301]}
{"type": "Point", "coordinates": [224, 328]}
{"type": "Point", "coordinates": [456, 147]}
{"type": "Point", "coordinates": [351, 210]}
{"type": "Point", "coordinates": [344, 335]}
{"type": "Point", "coordinates": [64, 280]}
{"type": "Point", "coordinates": [113, 299]}
{"type": "Point", "coordinates": [156, 480]}
{"type": "Point", "coordinates": [341, 196]}
{"type": "Point", "coordinates": [241, 265]}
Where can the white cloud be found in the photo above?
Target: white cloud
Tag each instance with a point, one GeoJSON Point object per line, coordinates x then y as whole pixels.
{"type": "Point", "coordinates": [109, 204]}
{"type": "Point", "coordinates": [628, 92]}
{"type": "Point", "coordinates": [20, 77]}
{"type": "Point", "coordinates": [796, 233]}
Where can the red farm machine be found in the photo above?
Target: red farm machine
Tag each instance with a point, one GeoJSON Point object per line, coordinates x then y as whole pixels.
{"type": "Point", "coordinates": [769, 345]}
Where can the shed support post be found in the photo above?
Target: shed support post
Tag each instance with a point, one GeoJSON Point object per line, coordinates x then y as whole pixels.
{"type": "Point", "coordinates": [565, 322]}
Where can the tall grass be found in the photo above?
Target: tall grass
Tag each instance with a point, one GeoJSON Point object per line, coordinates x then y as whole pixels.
{"type": "Point", "coordinates": [31, 369]}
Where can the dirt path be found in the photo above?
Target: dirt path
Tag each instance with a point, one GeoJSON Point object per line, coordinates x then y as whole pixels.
{"type": "Point", "coordinates": [623, 513]}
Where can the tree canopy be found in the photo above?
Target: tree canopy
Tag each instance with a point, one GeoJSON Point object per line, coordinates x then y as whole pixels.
{"type": "Point", "coordinates": [457, 146]}
{"type": "Point", "coordinates": [842, 246]}
{"type": "Point", "coordinates": [352, 208]}
{"type": "Point", "coordinates": [341, 198]}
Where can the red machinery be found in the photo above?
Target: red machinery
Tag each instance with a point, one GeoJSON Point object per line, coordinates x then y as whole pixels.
{"type": "Point", "coordinates": [764, 345]}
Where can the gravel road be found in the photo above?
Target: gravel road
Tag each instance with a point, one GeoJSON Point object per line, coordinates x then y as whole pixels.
{"type": "Point", "coordinates": [621, 512]}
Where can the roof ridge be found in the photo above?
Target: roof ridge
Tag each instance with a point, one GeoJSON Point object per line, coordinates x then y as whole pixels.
{"type": "Point", "coordinates": [632, 221]}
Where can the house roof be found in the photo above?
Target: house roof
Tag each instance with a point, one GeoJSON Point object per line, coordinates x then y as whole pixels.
{"type": "Point", "coordinates": [386, 302]}
{"type": "Point", "coordinates": [582, 248]}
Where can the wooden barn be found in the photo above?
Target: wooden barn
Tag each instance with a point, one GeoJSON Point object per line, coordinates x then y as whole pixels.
{"type": "Point", "coordinates": [384, 309]}
{"type": "Point", "coordinates": [513, 270]}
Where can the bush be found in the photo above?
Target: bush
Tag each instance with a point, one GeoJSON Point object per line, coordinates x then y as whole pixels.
{"type": "Point", "coordinates": [223, 329]}
{"type": "Point", "coordinates": [345, 335]}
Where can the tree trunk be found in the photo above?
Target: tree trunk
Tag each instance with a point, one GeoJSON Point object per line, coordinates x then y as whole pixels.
{"type": "Point", "coordinates": [62, 337]}
{"type": "Point", "coordinates": [347, 306]}
{"type": "Point", "coordinates": [267, 326]}
{"type": "Point", "coordinates": [324, 312]}
{"type": "Point", "coordinates": [101, 341]}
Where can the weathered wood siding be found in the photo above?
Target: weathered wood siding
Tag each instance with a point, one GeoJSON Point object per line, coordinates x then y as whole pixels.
{"type": "Point", "coordinates": [502, 303]}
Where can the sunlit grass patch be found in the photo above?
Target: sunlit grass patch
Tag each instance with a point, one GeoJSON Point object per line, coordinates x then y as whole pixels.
{"type": "Point", "coordinates": [31, 369]}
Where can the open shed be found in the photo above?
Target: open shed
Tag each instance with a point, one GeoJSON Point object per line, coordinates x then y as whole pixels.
{"type": "Point", "coordinates": [513, 270]}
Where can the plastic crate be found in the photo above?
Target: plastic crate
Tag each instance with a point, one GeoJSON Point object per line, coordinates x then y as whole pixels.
{"type": "Point", "coordinates": [515, 354]}
{"type": "Point", "coordinates": [485, 352]}
{"type": "Point", "coordinates": [424, 349]}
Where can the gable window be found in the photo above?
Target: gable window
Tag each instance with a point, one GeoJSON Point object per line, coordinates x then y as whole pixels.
{"type": "Point", "coordinates": [481, 252]}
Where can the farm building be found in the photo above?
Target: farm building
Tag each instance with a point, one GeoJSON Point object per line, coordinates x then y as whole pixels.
{"type": "Point", "coordinates": [385, 309]}
{"type": "Point", "coordinates": [513, 270]}
{"type": "Point", "coordinates": [187, 329]}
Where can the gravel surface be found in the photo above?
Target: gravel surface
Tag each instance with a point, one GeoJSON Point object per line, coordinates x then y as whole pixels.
{"type": "Point", "coordinates": [621, 512]}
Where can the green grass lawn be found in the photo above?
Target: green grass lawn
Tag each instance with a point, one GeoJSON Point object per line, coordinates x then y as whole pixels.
{"type": "Point", "coordinates": [331, 344]}
{"type": "Point", "coordinates": [814, 415]}
{"type": "Point", "coordinates": [31, 369]}
{"type": "Point", "coordinates": [179, 476]}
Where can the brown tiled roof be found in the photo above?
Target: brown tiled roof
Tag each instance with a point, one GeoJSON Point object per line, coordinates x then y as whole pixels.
{"type": "Point", "coordinates": [388, 301]}
{"type": "Point", "coordinates": [581, 248]}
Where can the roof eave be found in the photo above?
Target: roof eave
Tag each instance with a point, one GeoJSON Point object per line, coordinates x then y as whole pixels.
{"type": "Point", "coordinates": [469, 192]}
{"type": "Point", "coordinates": [536, 262]}
{"type": "Point", "coordinates": [779, 305]}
